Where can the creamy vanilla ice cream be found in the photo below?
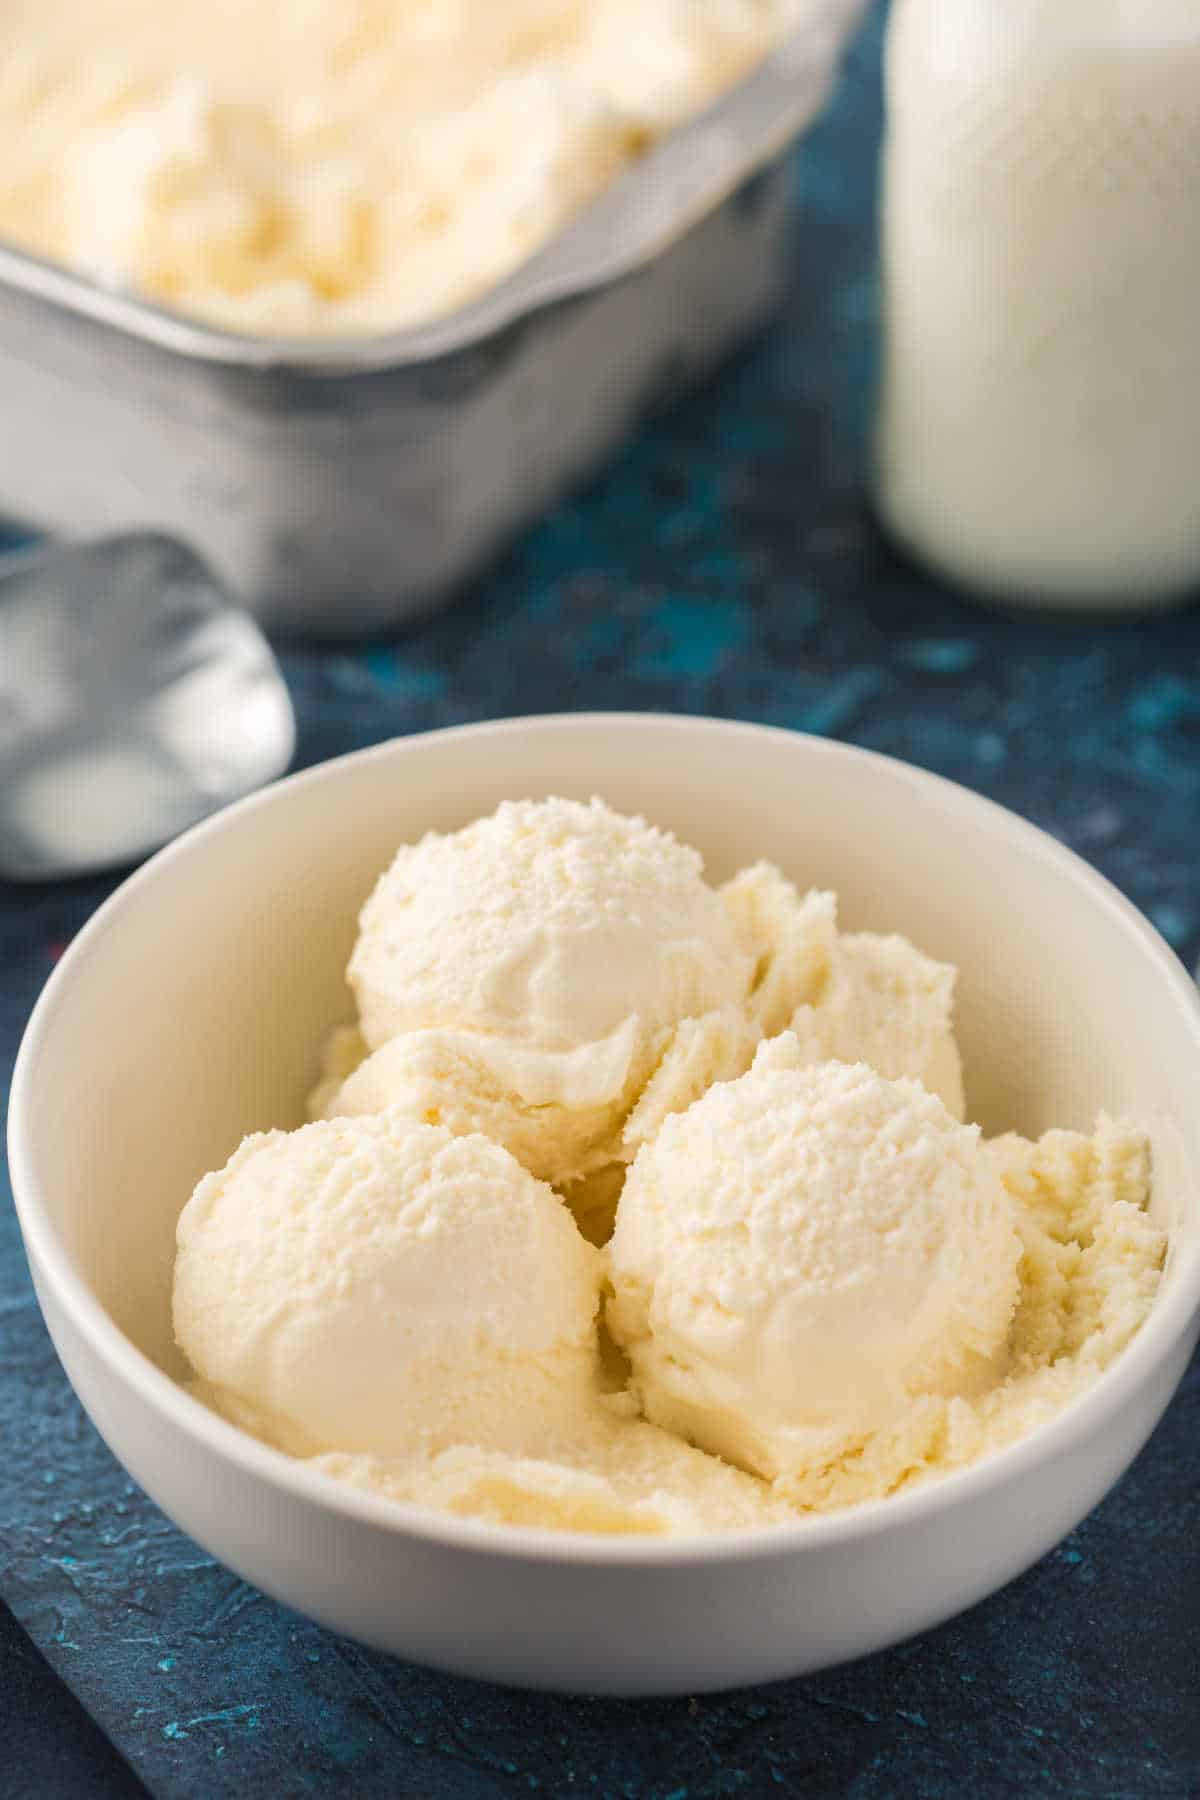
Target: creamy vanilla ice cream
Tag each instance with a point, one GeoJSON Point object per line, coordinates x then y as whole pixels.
{"type": "Point", "coordinates": [317, 166]}
{"type": "Point", "coordinates": [886, 1004]}
{"type": "Point", "coordinates": [818, 1285]}
{"type": "Point", "coordinates": [610, 1472]}
{"type": "Point", "coordinates": [555, 1110]}
{"type": "Point", "coordinates": [375, 1285]}
{"type": "Point", "coordinates": [1091, 1261]}
{"type": "Point", "coordinates": [525, 977]}
{"type": "Point", "coordinates": [551, 923]}
{"type": "Point", "coordinates": [596, 985]}
{"type": "Point", "coordinates": [803, 1250]}
{"type": "Point", "coordinates": [789, 935]}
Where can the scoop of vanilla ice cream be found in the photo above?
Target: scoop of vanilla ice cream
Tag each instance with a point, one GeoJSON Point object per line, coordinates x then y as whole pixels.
{"type": "Point", "coordinates": [376, 1285]}
{"type": "Point", "coordinates": [802, 1251]}
{"type": "Point", "coordinates": [524, 976]}
{"type": "Point", "coordinates": [886, 1004]}
{"type": "Point", "coordinates": [549, 922]}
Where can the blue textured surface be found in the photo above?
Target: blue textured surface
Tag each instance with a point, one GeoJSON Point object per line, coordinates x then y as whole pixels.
{"type": "Point", "coordinates": [727, 564]}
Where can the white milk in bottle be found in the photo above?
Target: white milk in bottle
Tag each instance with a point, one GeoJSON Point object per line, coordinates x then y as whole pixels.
{"type": "Point", "coordinates": [1039, 432]}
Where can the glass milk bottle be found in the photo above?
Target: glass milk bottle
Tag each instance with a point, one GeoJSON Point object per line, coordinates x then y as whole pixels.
{"type": "Point", "coordinates": [1039, 432]}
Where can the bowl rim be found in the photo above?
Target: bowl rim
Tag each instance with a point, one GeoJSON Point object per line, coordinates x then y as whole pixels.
{"type": "Point", "coordinates": [1173, 1313]}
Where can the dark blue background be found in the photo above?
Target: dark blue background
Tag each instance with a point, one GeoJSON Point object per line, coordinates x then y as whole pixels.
{"type": "Point", "coordinates": [727, 564]}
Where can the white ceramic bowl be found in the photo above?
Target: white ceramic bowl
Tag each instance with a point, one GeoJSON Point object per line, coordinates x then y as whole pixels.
{"type": "Point", "coordinates": [189, 1011]}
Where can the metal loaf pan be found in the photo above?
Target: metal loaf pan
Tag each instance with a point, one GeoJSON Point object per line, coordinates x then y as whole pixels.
{"type": "Point", "coordinates": [341, 486]}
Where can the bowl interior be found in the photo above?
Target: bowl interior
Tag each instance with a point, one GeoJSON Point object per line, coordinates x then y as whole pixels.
{"type": "Point", "coordinates": [192, 1010]}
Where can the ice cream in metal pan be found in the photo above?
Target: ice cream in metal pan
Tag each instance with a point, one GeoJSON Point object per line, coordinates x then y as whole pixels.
{"type": "Point", "coordinates": [330, 168]}
{"type": "Point", "coordinates": [340, 483]}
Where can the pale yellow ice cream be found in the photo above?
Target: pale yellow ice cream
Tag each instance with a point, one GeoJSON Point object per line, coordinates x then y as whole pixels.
{"type": "Point", "coordinates": [802, 1252]}
{"type": "Point", "coordinates": [414, 1312]}
{"type": "Point", "coordinates": [375, 1285]}
{"type": "Point", "coordinates": [1091, 1263]}
{"type": "Point", "coordinates": [525, 977]}
{"type": "Point", "coordinates": [789, 935]}
{"type": "Point", "coordinates": [548, 923]}
{"type": "Point", "coordinates": [557, 1111]}
{"type": "Point", "coordinates": [317, 166]}
{"type": "Point", "coordinates": [826, 1286]}
{"type": "Point", "coordinates": [849, 997]}
{"type": "Point", "coordinates": [886, 1004]}
{"type": "Point", "coordinates": [562, 979]}
{"type": "Point", "coordinates": [612, 1472]}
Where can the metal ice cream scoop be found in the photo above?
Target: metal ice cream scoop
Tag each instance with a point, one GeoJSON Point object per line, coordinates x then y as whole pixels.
{"type": "Point", "coordinates": [135, 698]}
